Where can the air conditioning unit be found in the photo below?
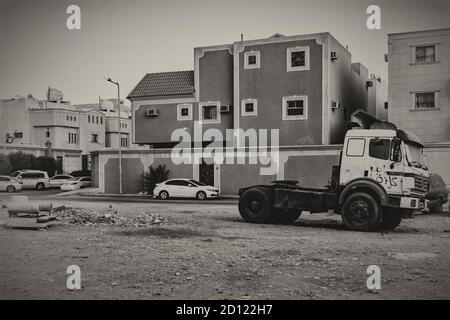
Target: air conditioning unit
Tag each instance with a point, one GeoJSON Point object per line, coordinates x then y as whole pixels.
{"type": "Point", "coordinates": [225, 109]}
{"type": "Point", "coordinates": [9, 138]}
{"type": "Point", "coordinates": [335, 105]}
{"type": "Point", "coordinates": [386, 58]}
{"type": "Point", "coordinates": [152, 112]}
{"type": "Point", "coordinates": [333, 55]}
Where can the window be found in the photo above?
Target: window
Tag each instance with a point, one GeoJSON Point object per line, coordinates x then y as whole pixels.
{"type": "Point", "coordinates": [297, 59]}
{"type": "Point", "coordinates": [425, 54]}
{"type": "Point", "coordinates": [74, 118]}
{"type": "Point", "coordinates": [184, 112]}
{"type": "Point", "coordinates": [89, 118]}
{"type": "Point", "coordinates": [47, 133]}
{"type": "Point", "coordinates": [295, 108]}
{"type": "Point", "coordinates": [96, 119]}
{"type": "Point", "coordinates": [252, 60]}
{"type": "Point", "coordinates": [94, 138]}
{"type": "Point", "coordinates": [67, 118]}
{"type": "Point", "coordinates": [124, 142]}
{"type": "Point", "coordinates": [209, 112]}
{"type": "Point", "coordinates": [355, 147]}
{"type": "Point", "coordinates": [379, 148]}
{"type": "Point", "coordinates": [176, 182]}
{"type": "Point", "coordinates": [249, 107]}
{"type": "Point", "coordinates": [101, 120]}
{"type": "Point", "coordinates": [424, 100]}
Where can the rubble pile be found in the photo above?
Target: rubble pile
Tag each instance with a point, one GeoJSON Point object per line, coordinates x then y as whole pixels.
{"type": "Point", "coordinates": [107, 216]}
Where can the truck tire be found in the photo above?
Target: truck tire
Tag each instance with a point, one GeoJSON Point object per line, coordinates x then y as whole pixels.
{"type": "Point", "coordinates": [361, 212]}
{"type": "Point", "coordinates": [283, 216]}
{"type": "Point", "coordinates": [391, 219]}
{"type": "Point", "coordinates": [255, 206]}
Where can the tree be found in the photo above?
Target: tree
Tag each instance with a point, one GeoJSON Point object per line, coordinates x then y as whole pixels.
{"type": "Point", "coordinates": [47, 164]}
{"type": "Point", "coordinates": [5, 165]}
{"type": "Point", "coordinates": [21, 161]}
{"type": "Point", "coordinates": [154, 176]}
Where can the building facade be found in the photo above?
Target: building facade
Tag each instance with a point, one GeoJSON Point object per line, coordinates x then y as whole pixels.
{"type": "Point", "coordinates": [52, 127]}
{"type": "Point", "coordinates": [419, 83]}
{"type": "Point", "coordinates": [305, 86]}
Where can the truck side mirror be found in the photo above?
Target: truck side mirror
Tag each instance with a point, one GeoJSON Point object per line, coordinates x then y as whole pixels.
{"type": "Point", "coordinates": [396, 150]}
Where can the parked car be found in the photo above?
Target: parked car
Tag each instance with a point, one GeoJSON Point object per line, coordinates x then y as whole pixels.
{"type": "Point", "coordinates": [77, 183]}
{"type": "Point", "coordinates": [438, 193]}
{"type": "Point", "coordinates": [10, 184]}
{"type": "Point", "coordinates": [58, 180]}
{"type": "Point", "coordinates": [81, 173]}
{"type": "Point", "coordinates": [32, 179]}
{"type": "Point", "coordinates": [185, 188]}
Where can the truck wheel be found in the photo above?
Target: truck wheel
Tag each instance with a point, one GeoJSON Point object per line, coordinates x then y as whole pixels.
{"type": "Point", "coordinates": [283, 216]}
{"type": "Point", "coordinates": [361, 212]}
{"type": "Point", "coordinates": [391, 219]}
{"type": "Point", "coordinates": [255, 206]}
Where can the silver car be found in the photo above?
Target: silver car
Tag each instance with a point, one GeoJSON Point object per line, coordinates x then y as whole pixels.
{"type": "Point", "coordinates": [58, 180]}
{"type": "Point", "coordinates": [10, 184]}
{"type": "Point", "coordinates": [32, 179]}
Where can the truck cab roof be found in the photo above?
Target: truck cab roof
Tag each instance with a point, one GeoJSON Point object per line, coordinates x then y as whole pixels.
{"type": "Point", "coordinates": [381, 133]}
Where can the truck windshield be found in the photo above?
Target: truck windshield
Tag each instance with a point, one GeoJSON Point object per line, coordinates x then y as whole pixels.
{"type": "Point", "coordinates": [415, 157]}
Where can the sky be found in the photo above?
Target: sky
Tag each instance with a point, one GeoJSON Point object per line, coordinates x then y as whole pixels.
{"type": "Point", "coordinates": [125, 39]}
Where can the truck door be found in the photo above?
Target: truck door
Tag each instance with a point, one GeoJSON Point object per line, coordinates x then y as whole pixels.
{"type": "Point", "coordinates": [381, 168]}
{"type": "Point", "coordinates": [353, 159]}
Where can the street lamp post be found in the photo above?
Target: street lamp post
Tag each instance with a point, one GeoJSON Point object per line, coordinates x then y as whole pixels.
{"type": "Point", "coordinates": [120, 132]}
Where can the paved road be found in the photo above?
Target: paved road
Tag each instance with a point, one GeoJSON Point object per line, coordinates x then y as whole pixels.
{"type": "Point", "coordinates": [52, 194]}
{"type": "Point", "coordinates": [32, 194]}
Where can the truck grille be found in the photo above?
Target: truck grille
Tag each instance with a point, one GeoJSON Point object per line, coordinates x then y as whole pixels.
{"type": "Point", "coordinates": [421, 183]}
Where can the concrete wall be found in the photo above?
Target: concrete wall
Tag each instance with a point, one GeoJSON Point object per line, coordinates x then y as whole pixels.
{"type": "Point", "coordinates": [340, 91]}
{"type": "Point", "coordinates": [310, 165]}
{"type": "Point", "coordinates": [15, 117]}
{"type": "Point", "coordinates": [216, 84]}
{"type": "Point", "coordinates": [407, 77]}
{"type": "Point", "coordinates": [377, 96]}
{"type": "Point", "coordinates": [360, 75]}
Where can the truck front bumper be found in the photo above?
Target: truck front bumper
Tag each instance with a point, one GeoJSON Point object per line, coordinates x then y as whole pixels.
{"type": "Point", "coordinates": [413, 203]}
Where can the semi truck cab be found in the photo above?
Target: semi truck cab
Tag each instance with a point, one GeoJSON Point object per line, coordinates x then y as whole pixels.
{"type": "Point", "coordinates": [380, 176]}
{"type": "Point", "coordinates": [393, 159]}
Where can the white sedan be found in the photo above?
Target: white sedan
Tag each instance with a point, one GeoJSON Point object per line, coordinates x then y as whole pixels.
{"type": "Point", "coordinates": [76, 183]}
{"type": "Point", "coordinates": [185, 188]}
{"type": "Point", "coordinates": [58, 180]}
{"type": "Point", "coordinates": [10, 184]}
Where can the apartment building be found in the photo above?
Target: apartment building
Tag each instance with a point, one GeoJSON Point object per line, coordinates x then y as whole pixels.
{"type": "Point", "coordinates": [419, 83]}
{"type": "Point", "coordinates": [306, 86]}
{"type": "Point", "coordinates": [52, 127]}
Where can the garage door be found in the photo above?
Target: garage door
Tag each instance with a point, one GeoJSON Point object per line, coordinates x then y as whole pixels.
{"type": "Point", "coordinates": [71, 163]}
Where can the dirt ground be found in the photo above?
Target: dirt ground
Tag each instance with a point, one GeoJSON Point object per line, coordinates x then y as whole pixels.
{"type": "Point", "coordinates": [208, 252]}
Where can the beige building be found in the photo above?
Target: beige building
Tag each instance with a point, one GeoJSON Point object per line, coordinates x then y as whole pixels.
{"type": "Point", "coordinates": [52, 127]}
{"type": "Point", "coordinates": [419, 83]}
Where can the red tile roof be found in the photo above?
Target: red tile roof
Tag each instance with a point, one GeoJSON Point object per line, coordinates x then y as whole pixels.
{"type": "Point", "coordinates": [164, 84]}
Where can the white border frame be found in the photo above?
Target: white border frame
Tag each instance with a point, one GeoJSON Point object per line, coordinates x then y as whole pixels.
{"type": "Point", "coordinates": [181, 117]}
{"type": "Point", "coordinates": [255, 107]}
{"type": "Point", "coordinates": [258, 60]}
{"type": "Point", "coordinates": [200, 112]}
{"type": "Point", "coordinates": [289, 51]}
{"type": "Point", "coordinates": [285, 116]}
